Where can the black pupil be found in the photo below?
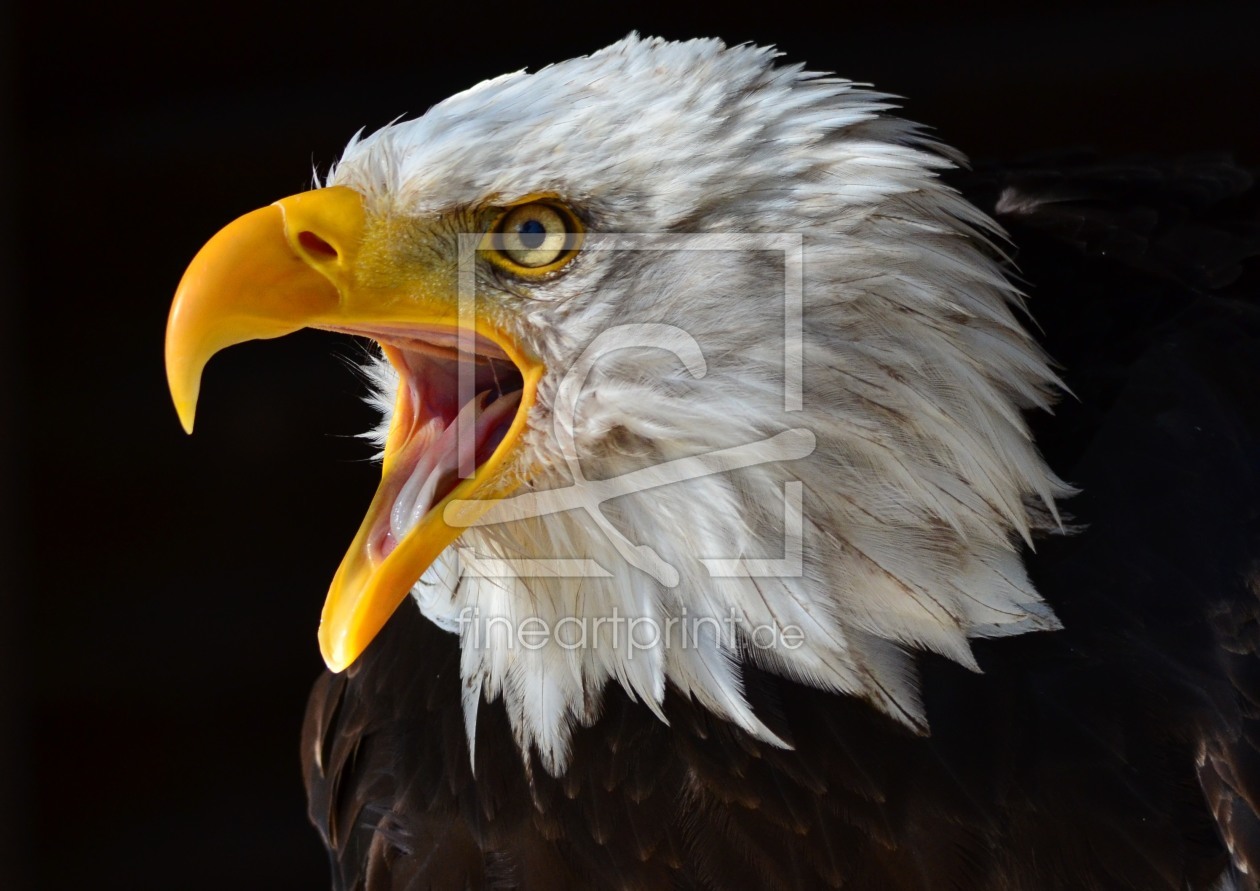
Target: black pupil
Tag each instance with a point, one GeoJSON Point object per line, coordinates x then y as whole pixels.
{"type": "Point", "coordinates": [532, 234]}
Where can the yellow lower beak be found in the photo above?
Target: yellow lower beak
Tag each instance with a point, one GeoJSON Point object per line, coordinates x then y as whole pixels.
{"type": "Point", "coordinates": [293, 265]}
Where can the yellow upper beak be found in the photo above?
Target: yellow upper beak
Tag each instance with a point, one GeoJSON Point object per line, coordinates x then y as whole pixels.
{"type": "Point", "coordinates": [296, 264]}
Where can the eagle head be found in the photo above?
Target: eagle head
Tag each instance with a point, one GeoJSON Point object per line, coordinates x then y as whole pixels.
{"type": "Point", "coordinates": [687, 361]}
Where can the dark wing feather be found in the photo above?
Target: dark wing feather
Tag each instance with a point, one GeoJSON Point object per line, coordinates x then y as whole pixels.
{"type": "Point", "coordinates": [1119, 753]}
{"type": "Point", "coordinates": [1145, 276]}
{"type": "Point", "coordinates": [1230, 755]}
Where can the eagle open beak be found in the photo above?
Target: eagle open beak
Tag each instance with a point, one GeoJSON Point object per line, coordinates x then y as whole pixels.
{"type": "Point", "coordinates": [464, 393]}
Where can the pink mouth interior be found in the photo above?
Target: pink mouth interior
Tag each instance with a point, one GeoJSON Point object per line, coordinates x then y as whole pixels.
{"type": "Point", "coordinates": [442, 422]}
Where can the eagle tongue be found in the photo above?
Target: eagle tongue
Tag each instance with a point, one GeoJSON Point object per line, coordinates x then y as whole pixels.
{"type": "Point", "coordinates": [440, 458]}
{"type": "Point", "coordinates": [436, 471]}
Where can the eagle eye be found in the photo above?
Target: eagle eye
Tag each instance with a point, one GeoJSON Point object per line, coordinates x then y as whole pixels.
{"type": "Point", "coordinates": [535, 238]}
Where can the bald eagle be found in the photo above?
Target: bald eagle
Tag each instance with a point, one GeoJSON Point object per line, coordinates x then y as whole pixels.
{"type": "Point", "coordinates": [717, 544]}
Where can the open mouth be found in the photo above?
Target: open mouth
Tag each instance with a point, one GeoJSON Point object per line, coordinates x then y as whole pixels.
{"type": "Point", "coordinates": [464, 396]}
{"type": "Point", "coordinates": [459, 394]}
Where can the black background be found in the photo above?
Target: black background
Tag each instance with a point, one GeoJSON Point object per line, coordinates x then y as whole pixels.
{"type": "Point", "coordinates": [160, 593]}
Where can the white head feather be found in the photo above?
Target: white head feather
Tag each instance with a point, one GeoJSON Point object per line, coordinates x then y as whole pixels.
{"type": "Point", "coordinates": [915, 371]}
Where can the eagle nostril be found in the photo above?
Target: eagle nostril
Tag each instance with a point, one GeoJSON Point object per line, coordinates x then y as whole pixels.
{"type": "Point", "coordinates": [316, 246]}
